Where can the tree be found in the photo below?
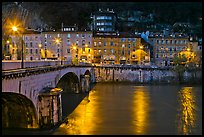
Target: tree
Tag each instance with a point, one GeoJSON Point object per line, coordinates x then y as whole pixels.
{"type": "Point", "coordinates": [179, 66]}
{"type": "Point", "coordinates": [75, 61]}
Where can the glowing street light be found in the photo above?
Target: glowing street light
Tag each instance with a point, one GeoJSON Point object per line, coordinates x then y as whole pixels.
{"type": "Point", "coordinates": [141, 47]}
{"type": "Point", "coordinates": [40, 46]}
{"type": "Point", "coordinates": [58, 41]}
{"type": "Point", "coordinates": [15, 29]}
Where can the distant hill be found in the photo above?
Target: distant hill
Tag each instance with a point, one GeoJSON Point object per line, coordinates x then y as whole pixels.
{"type": "Point", "coordinates": [44, 14]}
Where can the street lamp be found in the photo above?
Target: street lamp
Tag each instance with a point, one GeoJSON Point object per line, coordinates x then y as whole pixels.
{"type": "Point", "coordinates": [58, 41]}
{"type": "Point", "coordinates": [74, 53]}
{"type": "Point", "coordinates": [15, 29]}
{"type": "Point", "coordinates": [40, 46]}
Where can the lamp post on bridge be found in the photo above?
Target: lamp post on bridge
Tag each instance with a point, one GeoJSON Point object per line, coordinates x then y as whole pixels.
{"type": "Point", "coordinates": [15, 29]}
{"type": "Point", "coordinates": [58, 41]}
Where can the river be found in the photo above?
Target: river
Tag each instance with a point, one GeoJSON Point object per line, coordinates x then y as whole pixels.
{"type": "Point", "coordinates": [129, 109]}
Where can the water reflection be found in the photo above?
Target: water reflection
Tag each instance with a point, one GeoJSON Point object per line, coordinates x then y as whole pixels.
{"type": "Point", "coordinates": [141, 110]}
{"type": "Point", "coordinates": [82, 119]}
{"type": "Point", "coordinates": [187, 108]}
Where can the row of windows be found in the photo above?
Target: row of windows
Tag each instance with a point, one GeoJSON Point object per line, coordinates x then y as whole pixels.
{"type": "Point", "coordinates": [112, 44]}
{"type": "Point", "coordinates": [31, 38]}
{"type": "Point", "coordinates": [32, 51]}
{"type": "Point", "coordinates": [82, 35]}
{"type": "Point", "coordinates": [171, 41]}
{"type": "Point", "coordinates": [104, 17]}
{"type": "Point", "coordinates": [178, 48]}
{"type": "Point", "coordinates": [69, 35]}
{"type": "Point", "coordinates": [164, 55]}
{"type": "Point", "coordinates": [122, 52]}
{"type": "Point", "coordinates": [68, 29]}
{"type": "Point", "coordinates": [104, 29]}
{"type": "Point", "coordinates": [124, 39]}
{"type": "Point", "coordinates": [104, 23]}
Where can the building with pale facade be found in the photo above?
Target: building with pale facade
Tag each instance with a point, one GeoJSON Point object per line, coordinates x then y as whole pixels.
{"type": "Point", "coordinates": [31, 46]}
{"type": "Point", "coordinates": [119, 50]}
{"type": "Point", "coordinates": [167, 47]}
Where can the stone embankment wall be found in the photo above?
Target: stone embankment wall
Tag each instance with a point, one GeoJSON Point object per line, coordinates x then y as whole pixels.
{"type": "Point", "coordinates": [140, 75]}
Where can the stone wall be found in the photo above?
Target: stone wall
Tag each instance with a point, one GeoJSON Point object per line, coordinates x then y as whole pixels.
{"type": "Point", "coordinates": [139, 75]}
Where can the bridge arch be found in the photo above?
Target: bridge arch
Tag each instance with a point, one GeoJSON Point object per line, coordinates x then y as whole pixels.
{"type": "Point", "coordinates": [87, 72]}
{"type": "Point", "coordinates": [18, 111]}
{"type": "Point", "coordinates": [69, 83]}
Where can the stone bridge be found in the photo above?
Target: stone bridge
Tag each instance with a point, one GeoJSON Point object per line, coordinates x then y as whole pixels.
{"type": "Point", "coordinates": [23, 101]}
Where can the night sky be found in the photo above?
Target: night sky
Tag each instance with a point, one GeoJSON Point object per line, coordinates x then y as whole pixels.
{"type": "Point", "coordinates": [70, 13]}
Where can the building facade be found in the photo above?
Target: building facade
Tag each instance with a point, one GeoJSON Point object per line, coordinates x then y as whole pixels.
{"type": "Point", "coordinates": [30, 44]}
{"type": "Point", "coordinates": [119, 50]}
{"type": "Point", "coordinates": [167, 47]}
{"type": "Point", "coordinates": [104, 22]}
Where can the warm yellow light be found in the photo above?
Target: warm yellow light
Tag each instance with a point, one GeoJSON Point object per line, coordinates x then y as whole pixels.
{"type": "Point", "coordinates": [40, 45]}
{"type": "Point", "coordinates": [57, 40]}
{"type": "Point", "coordinates": [7, 41]}
{"type": "Point", "coordinates": [86, 45]}
{"type": "Point", "coordinates": [188, 49]}
{"type": "Point", "coordinates": [14, 28]}
{"type": "Point", "coordinates": [141, 110]}
{"type": "Point", "coordinates": [187, 111]}
{"type": "Point", "coordinates": [141, 47]}
{"type": "Point", "coordinates": [74, 47]}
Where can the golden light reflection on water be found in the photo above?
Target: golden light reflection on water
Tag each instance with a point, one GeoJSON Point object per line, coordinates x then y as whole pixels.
{"type": "Point", "coordinates": [83, 120]}
{"type": "Point", "coordinates": [186, 115]}
{"type": "Point", "coordinates": [141, 110]}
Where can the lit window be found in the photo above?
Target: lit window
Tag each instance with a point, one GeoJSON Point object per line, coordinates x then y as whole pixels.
{"type": "Point", "coordinates": [112, 50]}
{"type": "Point", "coordinates": [95, 44]}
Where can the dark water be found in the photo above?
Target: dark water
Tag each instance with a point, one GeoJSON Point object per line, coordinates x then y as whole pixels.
{"type": "Point", "coordinates": [130, 109]}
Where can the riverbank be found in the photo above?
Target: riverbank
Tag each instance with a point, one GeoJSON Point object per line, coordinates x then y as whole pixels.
{"type": "Point", "coordinates": [153, 83]}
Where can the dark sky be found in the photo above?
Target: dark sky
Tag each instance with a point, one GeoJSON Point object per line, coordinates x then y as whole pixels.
{"type": "Point", "coordinates": [170, 12]}
{"type": "Point", "coordinates": [70, 13]}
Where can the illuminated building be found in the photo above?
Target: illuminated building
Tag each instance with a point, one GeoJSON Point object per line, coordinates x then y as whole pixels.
{"type": "Point", "coordinates": [119, 50]}
{"type": "Point", "coordinates": [167, 47]}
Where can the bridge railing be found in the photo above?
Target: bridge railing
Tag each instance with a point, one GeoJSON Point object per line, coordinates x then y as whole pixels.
{"type": "Point", "coordinates": [9, 65]}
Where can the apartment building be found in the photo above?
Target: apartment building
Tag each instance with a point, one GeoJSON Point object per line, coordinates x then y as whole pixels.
{"type": "Point", "coordinates": [67, 45]}
{"type": "Point", "coordinates": [31, 46]}
{"type": "Point", "coordinates": [167, 47]}
{"type": "Point", "coordinates": [119, 50]}
{"type": "Point", "coordinates": [104, 22]}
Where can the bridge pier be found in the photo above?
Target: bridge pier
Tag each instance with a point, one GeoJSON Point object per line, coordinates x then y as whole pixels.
{"type": "Point", "coordinates": [50, 109]}
{"type": "Point", "coordinates": [85, 83]}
